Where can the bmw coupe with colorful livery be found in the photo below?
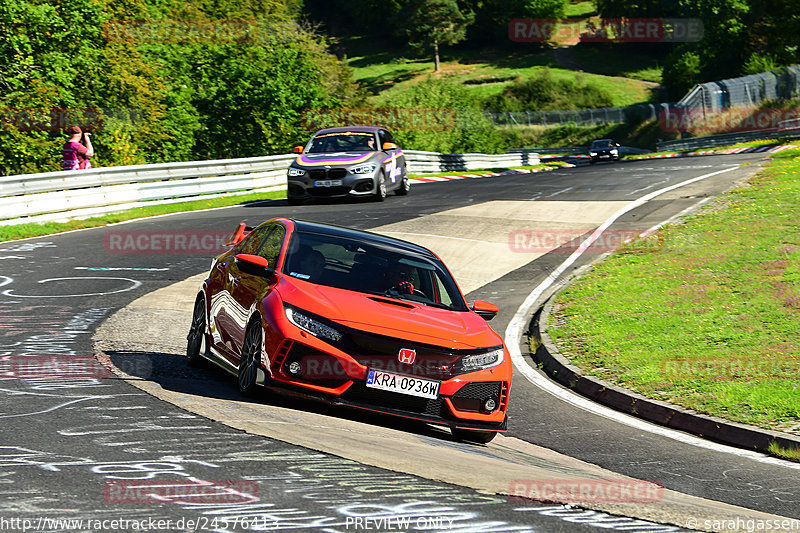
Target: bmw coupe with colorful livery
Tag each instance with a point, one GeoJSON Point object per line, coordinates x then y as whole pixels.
{"type": "Point", "coordinates": [348, 162]}
{"type": "Point", "coordinates": [352, 318]}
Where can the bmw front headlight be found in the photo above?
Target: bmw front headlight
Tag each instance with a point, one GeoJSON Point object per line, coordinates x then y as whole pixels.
{"type": "Point", "coordinates": [592, 154]}
{"type": "Point", "coordinates": [363, 169]}
{"type": "Point", "coordinates": [296, 171]}
{"type": "Point", "coordinates": [315, 327]}
{"type": "Point", "coordinates": [615, 151]}
{"type": "Point", "coordinates": [480, 361]}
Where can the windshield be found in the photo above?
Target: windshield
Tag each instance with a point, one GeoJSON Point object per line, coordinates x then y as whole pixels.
{"type": "Point", "coordinates": [603, 144]}
{"type": "Point", "coordinates": [349, 141]}
{"type": "Point", "coordinates": [373, 268]}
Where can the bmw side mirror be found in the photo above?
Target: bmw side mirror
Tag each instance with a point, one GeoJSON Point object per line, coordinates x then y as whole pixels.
{"type": "Point", "coordinates": [255, 265]}
{"type": "Point", "coordinates": [297, 149]}
{"type": "Point", "coordinates": [389, 146]}
{"type": "Point", "coordinates": [485, 310]}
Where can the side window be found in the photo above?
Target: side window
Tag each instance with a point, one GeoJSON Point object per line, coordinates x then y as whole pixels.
{"type": "Point", "coordinates": [271, 247]}
{"type": "Point", "coordinates": [385, 137]}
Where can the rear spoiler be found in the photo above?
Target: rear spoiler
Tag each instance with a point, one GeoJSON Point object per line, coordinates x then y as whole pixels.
{"type": "Point", "coordinates": [242, 231]}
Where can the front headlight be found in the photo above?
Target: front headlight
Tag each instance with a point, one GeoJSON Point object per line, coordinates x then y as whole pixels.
{"type": "Point", "coordinates": [363, 169]}
{"type": "Point", "coordinates": [480, 361]}
{"type": "Point", "coordinates": [315, 327]}
{"type": "Point", "coordinates": [296, 171]}
{"type": "Point", "coordinates": [615, 151]}
{"type": "Point", "coordinates": [592, 154]}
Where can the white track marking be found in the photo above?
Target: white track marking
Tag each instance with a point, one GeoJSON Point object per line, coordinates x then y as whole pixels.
{"type": "Point", "coordinates": [522, 316]}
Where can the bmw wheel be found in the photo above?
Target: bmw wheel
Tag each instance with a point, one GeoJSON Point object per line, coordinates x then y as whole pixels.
{"type": "Point", "coordinates": [473, 435]}
{"type": "Point", "coordinates": [405, 186]}
{"type": "Point", "coordinates": [380, 193]}
{"type": "Point", "coordinates": [250, 359]}
{"type": "Point", "coordinates": [195, 345]}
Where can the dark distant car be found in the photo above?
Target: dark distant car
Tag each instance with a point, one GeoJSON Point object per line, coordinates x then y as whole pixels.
{"type": "Point", "coordinates": [603, 150]}
{"type": "Point", "coordinates": [348, 162]}
{"type": "Point", "coordinates": [352, 318]}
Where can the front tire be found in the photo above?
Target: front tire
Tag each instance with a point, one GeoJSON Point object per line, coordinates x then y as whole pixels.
{"type": "Point", "coordinates": [473, 435]}
{"type": "Point", "coordinates": [405, 186]}
{"type": "Point", "coordinates": [250, 359]}
{"type": "Point", "coordinates": [380, 192]}
{"type": "Point", "coordinates": [196, 339]}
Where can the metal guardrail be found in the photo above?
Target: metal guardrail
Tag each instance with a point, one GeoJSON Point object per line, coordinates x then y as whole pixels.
{"type": "Point", "coordinates": [62, 195]}
{"type": "Point", "coordinates": [425, 162]}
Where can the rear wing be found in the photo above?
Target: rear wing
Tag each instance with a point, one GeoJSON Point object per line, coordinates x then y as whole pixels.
{"type": "Point", "coordinates": [241, 231]}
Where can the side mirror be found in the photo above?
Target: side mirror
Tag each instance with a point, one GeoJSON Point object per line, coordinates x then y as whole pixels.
{"type": "Point", "coordinates": [485, 310]}
{"type": "Point", "coordinates": [389, 146]}
{"type": "Point", "coordinates": [239, 234]}
{"type": "Point", "coordinates": [255, 265]}
{"type": "Point", "coordinates": [297, 149]}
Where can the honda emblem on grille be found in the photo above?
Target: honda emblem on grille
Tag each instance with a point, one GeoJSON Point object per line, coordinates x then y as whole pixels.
{"type": "Point", "coordinates": [407, 356]}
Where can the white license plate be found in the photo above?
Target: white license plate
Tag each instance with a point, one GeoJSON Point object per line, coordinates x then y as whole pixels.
{"type": "Point", "coordinates": [424, 388]}
{"type": "Point", "coordinates": [327, 183]}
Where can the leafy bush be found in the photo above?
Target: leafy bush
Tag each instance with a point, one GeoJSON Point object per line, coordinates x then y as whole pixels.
{"type": "Point", "coordinates": [463, 127]}
{"type": "Point", "coordinates": [543, 91]}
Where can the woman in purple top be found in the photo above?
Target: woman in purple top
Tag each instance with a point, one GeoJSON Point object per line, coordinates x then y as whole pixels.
{"type": "Point", "coordinates": [76, 155]}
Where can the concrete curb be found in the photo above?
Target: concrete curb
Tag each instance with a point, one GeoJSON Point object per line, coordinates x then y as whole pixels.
{"type": "Point", "coordinates": [558, 368]}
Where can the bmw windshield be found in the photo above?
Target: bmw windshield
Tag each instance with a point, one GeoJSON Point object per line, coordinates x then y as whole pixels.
{"type": "Point", "coordinates": [342, 142]}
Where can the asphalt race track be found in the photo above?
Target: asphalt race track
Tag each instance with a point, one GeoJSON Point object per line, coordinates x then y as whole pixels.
{"type": "Point", "coordinates": [82, 443]}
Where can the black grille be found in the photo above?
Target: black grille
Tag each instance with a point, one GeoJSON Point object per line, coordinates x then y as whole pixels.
{"type": "Point", "coordinates": [479, 390]}
{"type": "Point", "coordinates": [382, 353]}
{"type": "Point", "coordinates": [315, 367]}
{"type": "Point", "coordinates": [359, 393]}
{"type": "Point", "coordinates": [471, 396]}
{"type": "Point", "coordinates": [327, 174]}
{"type": "Point", "coordinates": [328, 191]}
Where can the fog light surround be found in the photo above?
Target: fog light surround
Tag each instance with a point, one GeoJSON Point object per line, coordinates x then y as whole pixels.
{"type": "Point", "coordinates": [489, 405]}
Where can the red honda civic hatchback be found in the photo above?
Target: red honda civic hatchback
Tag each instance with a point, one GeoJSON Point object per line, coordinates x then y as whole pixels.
{"type": "Point", "coordinates": [352, 318]}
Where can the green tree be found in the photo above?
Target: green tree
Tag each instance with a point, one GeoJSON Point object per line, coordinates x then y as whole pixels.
{"type": "Point", "coordinates": [435, 22]}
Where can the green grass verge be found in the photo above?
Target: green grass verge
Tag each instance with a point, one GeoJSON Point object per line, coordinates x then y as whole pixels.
{"type": "Point", "coordinates": [792, 454]}
{"type": "Point", "coordinates": [704, 314]}
{"type": "Point", "coordinates": [23, 231]}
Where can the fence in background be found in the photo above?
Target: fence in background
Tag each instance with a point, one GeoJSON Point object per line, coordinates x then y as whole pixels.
{"type": "Point", "coordinates": [61, 195]}
{"type": "Point", "coordinates": [746, 91]}
{"type": "Point", "coordinates": [581, 117]}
